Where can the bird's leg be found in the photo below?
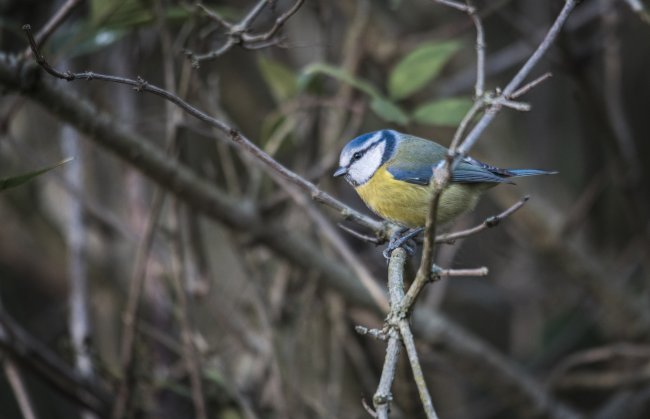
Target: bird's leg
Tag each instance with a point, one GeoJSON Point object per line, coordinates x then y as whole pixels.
{"type": "Point", "coordinates": [400, 239]}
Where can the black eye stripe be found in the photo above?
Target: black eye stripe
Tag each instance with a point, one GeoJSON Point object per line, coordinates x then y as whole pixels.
{"type": "Point", "coordinates": [358, 154]}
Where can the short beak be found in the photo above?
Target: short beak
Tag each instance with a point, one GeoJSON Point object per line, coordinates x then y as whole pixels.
{"type": "Point", "coordinates": [340, 171]}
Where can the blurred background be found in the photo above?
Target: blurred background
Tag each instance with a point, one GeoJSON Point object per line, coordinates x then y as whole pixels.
{"type": "Point", "coordinates": [116, 296]}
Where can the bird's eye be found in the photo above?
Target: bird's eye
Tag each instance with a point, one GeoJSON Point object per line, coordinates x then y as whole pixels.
{"type": "Point", "coordinates": [356, 156]}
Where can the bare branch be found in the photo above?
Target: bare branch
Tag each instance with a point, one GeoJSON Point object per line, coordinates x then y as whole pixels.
{"type": "Point", "coordinates": [528, 86]}
{"type": "Point", "coordinates": [383, 396]}
{"type": "Point", "coordinates": [439, 272]}
{"type": "Point", "coordinates": [488, 223]}
{"type": "Point", "coordinates": [479, 88]}
{"type": "Point", "coordinates": [237, 33]}
{"type": "Point", "coordinates": [516, 81]}
{"type": "Point", "coordinates": [55, 21]}
{"type": "Point", "coordinates": [442, 173]}
{"type": "Point", "coordinates": [275, 169]}
{"type": "Point", "coordinates": [416, 368]}
{"type": "Point", "coordinates": [360, 236]}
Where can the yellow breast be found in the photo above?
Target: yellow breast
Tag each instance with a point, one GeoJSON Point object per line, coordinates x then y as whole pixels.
{"type": "Point", "coordinates": [407, 203]}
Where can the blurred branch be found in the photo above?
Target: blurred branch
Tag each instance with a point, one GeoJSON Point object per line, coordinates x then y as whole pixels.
{"type": "Point", "coordinates": [79, 325]}
{"type": "Point", "coordinates": [238, 33]}
{"type": "Point", "coordinates": [31, 354]}
{"type": "Point", "coordinates": [635, 357]}
{"type": "Point", "coordinates": [352, 54]}
{"type": "Point", "coordinates": [625, 313]}
{"type": "Point", "coordinates": [613, 87]}
{"type": "Point", "coordinates": [632, 404]}
{"type": "Point", "coordinates": [190, 354]}
{"type": "Point", "coordinates": [638, 8]}
{"type": "Point", "coordinates": [485, 366]}
{"type": "Point", "coordinates": [17, 385]}
{"type": "Point", "coordinates": [136, 284]}
{"type": "Point", "coordinates": [342, 248]}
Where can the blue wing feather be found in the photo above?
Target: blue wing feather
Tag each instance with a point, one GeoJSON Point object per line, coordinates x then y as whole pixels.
{"type": "Point", "coordinates": [464, 173]}
{"type": "Point", "coordinates": [416, 158]}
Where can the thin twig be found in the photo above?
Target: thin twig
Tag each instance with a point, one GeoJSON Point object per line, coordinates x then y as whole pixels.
{"type": "Point", "coordinates": [55, 21]}
{"type": "Point", "coordinates": [479, 87]}
{"type": "Point", "coordinates": [360, 236]}
{"type": "Point", "coordinates": [528, 86]}
{"type": "Point", "coordinates": [516, 81]}
{"type": "Point", "coordinates": [442, 173]}
{"type": "Point", "coordinates": [237, 33]}
{"type": "Point", "coordinates": [279, 22]}
{"type": "Point", "coordinates": [488, 223]}
{"type": "Point", "coordinates": [275, 169]}
{"type": "Point", "coordinates": [416, 368]}
{"type": "Point", "coordinates": [439, 272]}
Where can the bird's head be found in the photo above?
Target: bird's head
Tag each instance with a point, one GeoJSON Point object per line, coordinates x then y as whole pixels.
{"type": "Point", "coordinates": [362, 156]}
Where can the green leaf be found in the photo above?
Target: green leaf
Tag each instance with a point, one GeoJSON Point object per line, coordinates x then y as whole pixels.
{"type": "Point", "coordinates": [419, 67]}
{"type": "Point", "coordinates": [335, 72]}
{"type": "Point", "coordinates": [280, 79]}
{"type": "Point", "coordinates": [122, 14]}
{"type": "Point", "coordinates": [13, 181]}
{"type": "Point", "coordinates": [448, 112]}
{"type": "Point", "coordinates": [388, 111]}
{"type": "Point", "coordinates": [382, 106]}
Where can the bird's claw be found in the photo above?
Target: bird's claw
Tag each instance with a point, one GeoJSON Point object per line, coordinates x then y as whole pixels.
{"type": "Point", "coordinates": [401, 239]}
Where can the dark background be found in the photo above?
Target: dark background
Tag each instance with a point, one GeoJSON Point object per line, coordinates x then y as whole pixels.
{"type": "Point", "coordinates": [566, 300]}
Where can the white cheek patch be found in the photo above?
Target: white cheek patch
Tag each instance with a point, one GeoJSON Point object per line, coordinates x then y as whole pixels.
{"type": "Point", "coordinates": [362, 170]}
{"type": "Point", "coordinates": [346, 156]}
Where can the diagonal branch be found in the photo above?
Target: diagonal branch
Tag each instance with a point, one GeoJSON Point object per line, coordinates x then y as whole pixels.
{"type": "Point", "coordinates": [274, 168]}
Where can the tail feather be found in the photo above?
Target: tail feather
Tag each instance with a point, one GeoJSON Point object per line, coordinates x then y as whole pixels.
{"type": "Point", "coordinates": [528, 172]}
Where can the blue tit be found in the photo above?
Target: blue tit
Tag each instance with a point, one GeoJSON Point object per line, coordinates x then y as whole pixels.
{"type": "Point", "coordinates": [391, 173]}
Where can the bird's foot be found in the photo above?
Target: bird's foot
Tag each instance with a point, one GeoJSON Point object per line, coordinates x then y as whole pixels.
{"type": "Point", "coordinates": [400, 239]}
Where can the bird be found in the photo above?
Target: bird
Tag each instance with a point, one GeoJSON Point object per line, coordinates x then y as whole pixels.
{"type": "Point", "coordinates": [391, 172]}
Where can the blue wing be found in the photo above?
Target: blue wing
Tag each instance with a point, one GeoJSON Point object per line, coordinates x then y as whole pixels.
{"type": "Point", "coordinates": [416, 158]}
{"type": "Point", "coordinates": [465, 172]}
